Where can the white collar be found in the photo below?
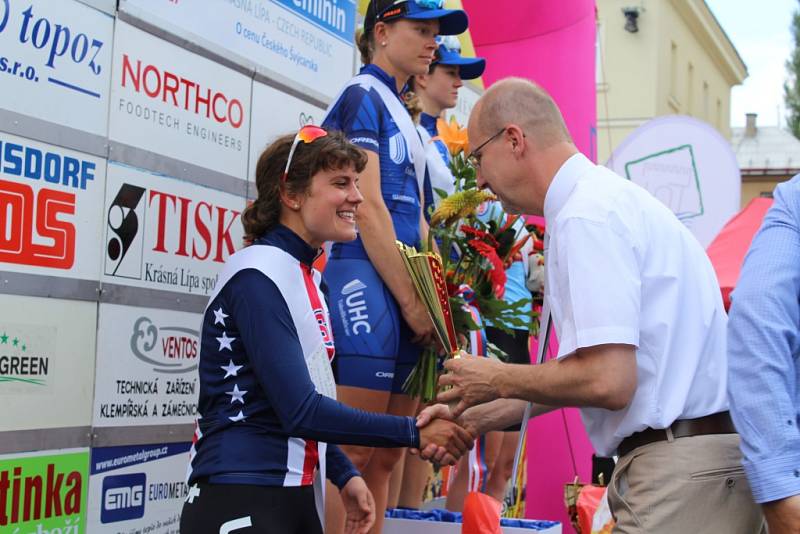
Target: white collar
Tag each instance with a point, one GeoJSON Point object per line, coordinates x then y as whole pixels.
{"type": "Point", "coordinates": [563, 183]}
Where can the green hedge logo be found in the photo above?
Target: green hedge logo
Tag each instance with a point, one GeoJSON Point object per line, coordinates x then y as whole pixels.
{"type": "Point", "coordinates": [25, 357]}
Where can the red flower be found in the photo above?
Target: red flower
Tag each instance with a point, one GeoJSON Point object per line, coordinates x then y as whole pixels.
{"type": "Point", "coordinates": [480, 234]}
{"type": "Point", "coordinates": [497, 274]}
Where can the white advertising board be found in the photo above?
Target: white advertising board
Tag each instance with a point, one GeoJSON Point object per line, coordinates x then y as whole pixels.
{"type": "Point", "coordinates": [50, 209]}
{"type": "Point", "coordinates": [687, 165]}
{"type": "Point", "coordinates": [55, 62]}
{"type": "Point", "coordinates": [137, 488]}
{"type": "Point", "coordinates": [310, 42]}
{"type": "Point", "coordinates": [167, 234]}
{"type": "Point", "coordinates": [146, 366]}
{"type": "Point", "coordinates": [274, 114]}
{"type": "Point", "coordinates": [46, 362]}
{"type": "Point", "coordinates": [175, 103]}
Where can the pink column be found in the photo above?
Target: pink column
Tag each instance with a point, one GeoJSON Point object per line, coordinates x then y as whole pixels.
{"type": "Point", "coordinates": [553, 44]}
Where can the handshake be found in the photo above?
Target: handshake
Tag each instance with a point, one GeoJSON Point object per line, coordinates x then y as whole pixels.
{"type": "Point", "coordinates": [441, 439]}
{"type": "Point", "coordinates": [447, 433]}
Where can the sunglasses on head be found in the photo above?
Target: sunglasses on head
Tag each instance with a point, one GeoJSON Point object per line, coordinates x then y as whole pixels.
{"type": "Point", "coordinates": [307, 134]}
{"type": "Point", "coordinates": [397, 8]}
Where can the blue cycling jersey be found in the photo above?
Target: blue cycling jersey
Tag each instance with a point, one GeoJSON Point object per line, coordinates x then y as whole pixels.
{"type": "Point", "coordinates": [365, 119]}
{"type": "Point", "coordinates": [429, 123]}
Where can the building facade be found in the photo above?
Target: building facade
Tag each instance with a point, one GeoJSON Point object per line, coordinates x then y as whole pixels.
{"type": "Point", "coordinates": [767, 156]}
{"type": "Point", "coordinates": [661, 57]}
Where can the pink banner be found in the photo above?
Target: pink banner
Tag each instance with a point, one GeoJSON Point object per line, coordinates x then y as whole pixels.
{"type": "Point", "coordinates": [553, 44]}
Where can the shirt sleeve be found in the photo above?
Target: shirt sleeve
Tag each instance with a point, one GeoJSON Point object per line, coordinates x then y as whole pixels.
{"type": "Point", "coordinates": [599, 285]}
{"type": "Point", "coordinates": [763, 349]}
{"type": "Point", "coordinates": [340, 468]}
{"type": "Point", "coordinates": [273, 348]}
{"type": "Point", "coordinates": [357, 114]}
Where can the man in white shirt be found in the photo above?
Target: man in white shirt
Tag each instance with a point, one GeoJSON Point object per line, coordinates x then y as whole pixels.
{"type": "Point", "coordinates": [640, 321]}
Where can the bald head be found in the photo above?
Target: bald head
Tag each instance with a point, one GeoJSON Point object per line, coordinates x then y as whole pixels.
{"type": "Point", "coordinates": [521, 102]}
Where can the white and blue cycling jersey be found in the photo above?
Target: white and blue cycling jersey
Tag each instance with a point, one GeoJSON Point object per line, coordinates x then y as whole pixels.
{"type": "Point", "coordinates": [439, 175]}
{"type": "Point", "coordinates": [373, 344]}
{"type": "Point", "coordinates": [362, 115]}
{"type": "Point", "coordinates": [261, 414]}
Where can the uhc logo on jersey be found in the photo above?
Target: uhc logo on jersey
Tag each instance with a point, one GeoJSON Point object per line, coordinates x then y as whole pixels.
{"type": "Point", "coordinates": [123, 497]}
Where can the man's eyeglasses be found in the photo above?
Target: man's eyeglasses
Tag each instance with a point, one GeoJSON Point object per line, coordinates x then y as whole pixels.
{"type": "Point", "coordinates": [307, 134]}
{"type": "Point", "coordinates": [474, 157]}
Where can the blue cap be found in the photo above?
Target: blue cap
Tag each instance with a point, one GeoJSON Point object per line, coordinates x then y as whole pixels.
{"type": "Point", "coordinates": [449, 53]}
{"type": "Point", "coordinates": [451, 21]}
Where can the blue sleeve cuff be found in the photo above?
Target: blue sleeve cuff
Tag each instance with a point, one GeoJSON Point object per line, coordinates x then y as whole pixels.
{"type": "Point", "coordinates": [414, 432]}
{"type": "Point", "coordinates": [340, 468]}
{"type": "Point", "coordinates": [774, 478]}
{"type": "Point", "coordinates": [344, 478]}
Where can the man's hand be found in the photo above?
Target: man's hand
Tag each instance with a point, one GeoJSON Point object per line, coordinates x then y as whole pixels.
{"type": "Point", "coordinates": [359, 506]}
{"type": "Point", "coordinates": [449, 440]}
{"type": "Point", "coordinates": [783, 516]}
{"type": "Point", "coordinates": [473, 380]}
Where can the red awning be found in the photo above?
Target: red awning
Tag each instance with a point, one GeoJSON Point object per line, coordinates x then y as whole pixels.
{"type": "Point", "coordinates": [729, 248]}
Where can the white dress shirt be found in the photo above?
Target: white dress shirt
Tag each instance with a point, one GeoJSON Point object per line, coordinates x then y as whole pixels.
{"type": "Point", "coordinates": [621, 268]}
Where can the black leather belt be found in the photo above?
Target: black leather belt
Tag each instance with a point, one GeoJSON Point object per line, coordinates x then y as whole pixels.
{"type": "Point", "coordinates": [718, 423]}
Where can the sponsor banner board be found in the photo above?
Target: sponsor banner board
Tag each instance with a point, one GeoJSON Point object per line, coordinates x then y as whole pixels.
{"type": "Point", "coordinates": [55, 62]}
{"type": "Point", "coordinates": [146, 366]}
{"type": "Point", "coordinates": [686, 164]}
{"type": "Point", "coordinates": [47, 351]}
{"type": "Point", "coordinates": [50, 210]}
{"type": "Point", "coordinates": [44, 492]}
{"type": "Point", "coordinates": [274, 114]}
{"type": "Point", "coordinates": [138, 488]}
{"type": "Point", "coordinates": [166, 234]}
{"type": "Point", "coordinates": [310, 42]}
{"type": "Point", "coordinates": [172, 102]}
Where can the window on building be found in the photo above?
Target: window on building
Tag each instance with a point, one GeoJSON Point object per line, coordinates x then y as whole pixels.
{"type": "Point", "coordinates": [718, 122]}
{"type": "Point", "coordinates": [689, 88]}
{"type": "Point", "coordinates": [706, 105]}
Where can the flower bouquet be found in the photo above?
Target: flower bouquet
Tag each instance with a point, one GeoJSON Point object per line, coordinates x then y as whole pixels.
{"type": "Point", "coordinates": [473, 260]}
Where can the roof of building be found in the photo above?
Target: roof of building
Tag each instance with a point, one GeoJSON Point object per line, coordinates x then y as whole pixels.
{"type": "Point", "coordinates": [772, 150]}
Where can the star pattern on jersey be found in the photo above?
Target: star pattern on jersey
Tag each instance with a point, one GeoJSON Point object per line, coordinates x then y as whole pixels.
{"type": "Point", "coordinates": [231, 369]}
{"type": "Point", "coordinates": [238, 417]}
{"type": "Point", "coordinates": [225, 342]}
{"type": "Point", "coordinates": [220, 316]}
{"type": "Point", "coordinates": [237, 395]}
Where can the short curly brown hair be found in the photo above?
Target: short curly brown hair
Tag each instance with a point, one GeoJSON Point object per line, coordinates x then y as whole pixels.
{"type": "Point", "coordinates": [331, 152]}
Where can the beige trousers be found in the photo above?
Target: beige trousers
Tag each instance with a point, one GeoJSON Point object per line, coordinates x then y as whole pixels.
{"type": "Point", "coordinates": [692, 485]}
